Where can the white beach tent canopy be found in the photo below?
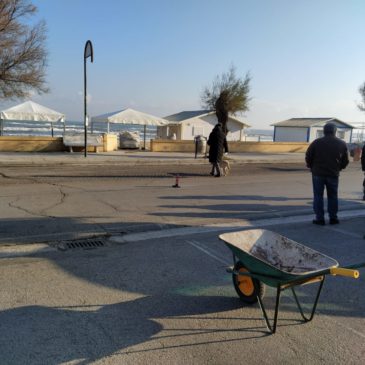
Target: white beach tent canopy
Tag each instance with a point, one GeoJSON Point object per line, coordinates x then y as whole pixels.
{"type": "Point", "coordinates": [130, 116]}
{"type": "Point", "coordinates": [31, 111]}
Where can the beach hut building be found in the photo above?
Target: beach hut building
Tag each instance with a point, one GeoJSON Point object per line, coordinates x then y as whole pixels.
{"type": "Point", "coordinates": [309, 129]}
{"type": "Point", "coordinates": [187, 125]}
{"type": "Point", "coordinates": [31, 112]}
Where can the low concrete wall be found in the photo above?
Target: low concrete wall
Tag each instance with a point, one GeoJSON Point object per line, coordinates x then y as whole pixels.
{"type": "Point", "coordinates": [268, 147]}
{"type": "Point", "coordinates": [168, 145]}
{"type": "Point", "coordinates": [51, 144]}
{"type": "Point", "coordinates": [165, 145]}
{"type": "Point", "coordinates": [31, 144]}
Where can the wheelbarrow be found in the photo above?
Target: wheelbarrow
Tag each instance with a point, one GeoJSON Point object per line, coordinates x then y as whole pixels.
{"type": "Point", "coordinates": [263, 257]}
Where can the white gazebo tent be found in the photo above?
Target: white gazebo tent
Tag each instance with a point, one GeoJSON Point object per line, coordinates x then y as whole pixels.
{"type": "Point", "coordinates": [30, 111]}
{"type": "Point", "coordinates": [130, 116]}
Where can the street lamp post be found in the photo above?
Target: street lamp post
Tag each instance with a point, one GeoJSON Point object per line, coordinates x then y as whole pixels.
{"type": "Point", "coordinates": [88, 52]}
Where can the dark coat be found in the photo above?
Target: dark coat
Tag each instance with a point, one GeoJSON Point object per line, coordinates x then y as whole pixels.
{"type": "Point", "coordinates": [217, 143]}
{"type": "Point", "coordinates": [327, 156]}
{"type": "Point", "coordinates": [363, 158]}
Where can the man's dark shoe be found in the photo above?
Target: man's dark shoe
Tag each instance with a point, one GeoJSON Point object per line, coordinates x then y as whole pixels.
{"type": "Point", "coordinates": [334, 221]}
{"type": "Point", "coordinates": [319, 222]}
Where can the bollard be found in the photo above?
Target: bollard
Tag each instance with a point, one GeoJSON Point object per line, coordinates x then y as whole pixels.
{"type": "Point", "coordinates": [177, 178]}
{"type": "Point", "coordinates": [357, 154]}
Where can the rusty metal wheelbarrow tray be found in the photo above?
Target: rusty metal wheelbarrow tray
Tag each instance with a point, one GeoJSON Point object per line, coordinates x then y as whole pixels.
{"type": "Point", "coordinates": [265, 257]}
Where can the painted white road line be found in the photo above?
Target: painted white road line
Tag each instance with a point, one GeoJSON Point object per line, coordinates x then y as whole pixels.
{"type": "Point", "coordinates": [347, 233]}
{"type": "Point", "coordinates": [199, 247]}
{"type": "Point", "coordinates": [356, 332]}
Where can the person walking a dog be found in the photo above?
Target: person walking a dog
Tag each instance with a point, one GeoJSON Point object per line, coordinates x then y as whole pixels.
{"type": "Point", "coordinates": [217, 143]}
{"type": "Point", "coordinates": [326, 157]}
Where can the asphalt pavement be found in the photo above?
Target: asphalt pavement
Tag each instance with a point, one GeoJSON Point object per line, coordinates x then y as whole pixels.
{"type": "Point", "coordinates": [166, 298]}
{"type": "Point", "coordinates": [149, 285]}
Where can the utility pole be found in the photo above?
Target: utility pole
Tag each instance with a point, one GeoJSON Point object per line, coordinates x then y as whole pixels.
{"type": "Point", "coordinates": [88, 52]}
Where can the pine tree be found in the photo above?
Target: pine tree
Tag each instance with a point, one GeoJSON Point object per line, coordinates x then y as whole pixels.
{"type": "Point", "coordinates": [228, 94]}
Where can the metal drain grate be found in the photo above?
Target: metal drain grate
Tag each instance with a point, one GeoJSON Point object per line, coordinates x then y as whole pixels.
{"type": "Point", "coordinates": [85, 244]}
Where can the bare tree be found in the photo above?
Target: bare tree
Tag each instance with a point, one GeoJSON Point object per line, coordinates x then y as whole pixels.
{"type": "Point", "coordinates": [361, 105]}
{"type": "Point", "coordinates": [22, 51]}
{"type": "Point", "coordinates": [228, 94]}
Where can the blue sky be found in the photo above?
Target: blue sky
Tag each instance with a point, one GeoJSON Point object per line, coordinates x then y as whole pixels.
{"type": "Point", "coordinates": [306, 57]}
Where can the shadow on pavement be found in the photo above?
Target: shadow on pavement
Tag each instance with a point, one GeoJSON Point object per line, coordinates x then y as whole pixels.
{"type": "Point", "coordinates": [231, 197]}
{"type": "Point", "coordinates": [161, 271]}
{"type": "Point", "coordinates": [48, 229]}
{"type": "Point", "coordinates": [248, 211]}
{"type": "Point", "coordinates": [93, 332]}
{"type": "Point", "coordinates": [86, 333]}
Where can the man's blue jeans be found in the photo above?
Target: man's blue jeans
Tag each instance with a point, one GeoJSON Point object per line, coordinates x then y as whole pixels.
{"type": "Point", "coordinates": [331, 185]}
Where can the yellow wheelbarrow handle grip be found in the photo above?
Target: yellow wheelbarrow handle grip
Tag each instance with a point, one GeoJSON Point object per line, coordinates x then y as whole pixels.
{"type": "Point", "coordinates": [344, 272]}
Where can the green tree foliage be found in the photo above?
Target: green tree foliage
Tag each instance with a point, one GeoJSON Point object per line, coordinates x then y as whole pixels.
{"type": "Point", "coordinates": [22, 50]}
{"type": "Point", "coordinates": [361, 106]}
{"type": "Point", "coordinates": [228, 94]}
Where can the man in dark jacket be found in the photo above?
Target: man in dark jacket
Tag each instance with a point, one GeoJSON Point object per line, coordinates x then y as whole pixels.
{"type": "Point", "coordinates": [217, 143]}
{"type": "Point", "coordinates": [363, 169]}
{"type": "Point", "coordinates": [326, 157]}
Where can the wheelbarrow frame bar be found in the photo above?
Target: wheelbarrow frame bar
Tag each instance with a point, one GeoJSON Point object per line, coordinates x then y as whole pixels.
{"type": "Point", "coordinates": [280, 287]}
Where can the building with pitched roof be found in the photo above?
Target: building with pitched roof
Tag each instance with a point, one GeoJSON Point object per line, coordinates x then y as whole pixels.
{"type": "Point", "coordinates": [187, 125]}
{"type": "Point", "coordinates": [309, 129]}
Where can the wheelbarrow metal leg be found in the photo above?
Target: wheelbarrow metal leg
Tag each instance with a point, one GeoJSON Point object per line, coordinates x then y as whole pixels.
{"type": "Point", "coordinates": [271, 328]}
{"type": "Point", "coordinates": [305, 318]}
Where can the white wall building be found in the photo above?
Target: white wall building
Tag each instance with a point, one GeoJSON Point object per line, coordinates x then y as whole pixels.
{"type": "Point", "coordinates": [309, 129]}
{"type": "Point", "coordinates": [189, 124]}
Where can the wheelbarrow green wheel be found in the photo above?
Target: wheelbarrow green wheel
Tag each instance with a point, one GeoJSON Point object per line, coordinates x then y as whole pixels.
{"type": "Point", "coordinates": [246, 287]}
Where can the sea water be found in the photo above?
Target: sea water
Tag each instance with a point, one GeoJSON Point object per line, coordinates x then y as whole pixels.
{"type": "Point", "coordinates": [21, 128]}
{"type": "Point", "coordinates": [263, 135]}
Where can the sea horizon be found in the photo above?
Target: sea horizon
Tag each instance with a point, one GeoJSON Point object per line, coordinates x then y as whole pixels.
{"type": "Point", "coordinates": [21, 128]}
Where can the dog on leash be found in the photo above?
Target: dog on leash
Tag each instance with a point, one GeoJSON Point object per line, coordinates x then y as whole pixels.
{"type": "Point", "coordinates": [225, 167]}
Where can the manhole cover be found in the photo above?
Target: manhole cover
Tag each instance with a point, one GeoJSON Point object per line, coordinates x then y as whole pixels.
{"type": "Point", "coordinates": [85, 244]}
